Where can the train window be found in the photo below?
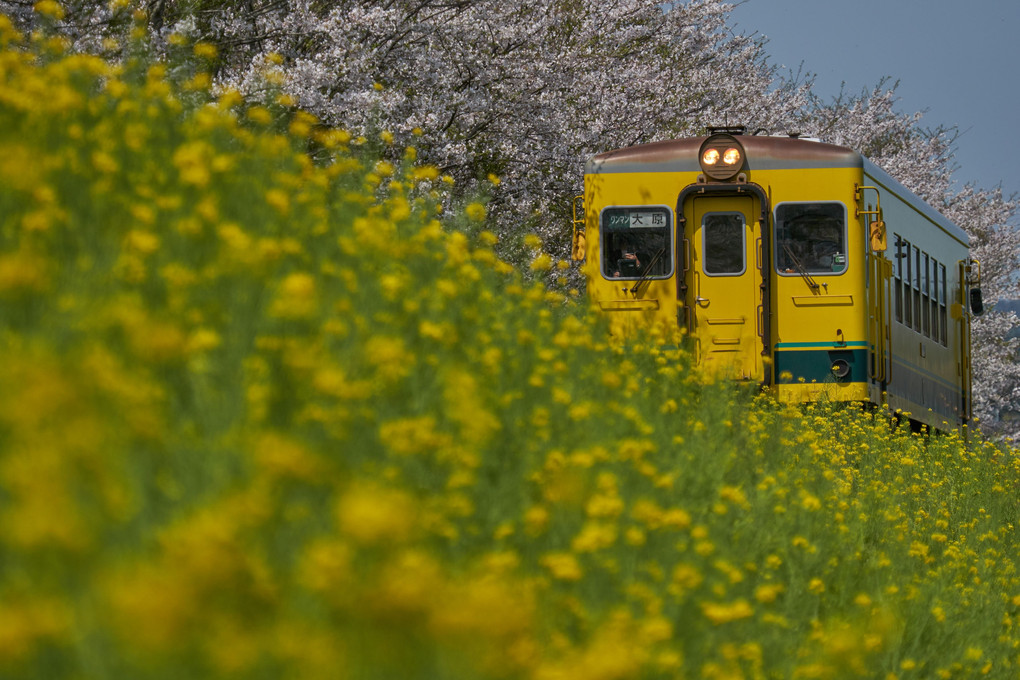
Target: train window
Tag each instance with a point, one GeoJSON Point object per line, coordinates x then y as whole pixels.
{"type": "Point", "coordinates": [942, 305]}
{"type": "Point", "coordinates": [908, 317]}
{"type": "Point", "coordinates": [917, 288]}
{"type": "Point", "coordinates": [723, 243]}
{"type": "Point", "coordinates": [925, 299]}
{"type": "Point", "coordinates": [635, 241]}
{"type": "Point", "coordinates": [811, 237]}
{"type": "Point", "coordinates": [898, 278]}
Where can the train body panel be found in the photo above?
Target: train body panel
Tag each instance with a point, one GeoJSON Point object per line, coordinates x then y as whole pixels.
{"type": "Point", "coordinates": [929, 331]}
{"type": "Point", "coordinates": [818, 316]}
{"type": "Point", "coordinates": [775, 273]}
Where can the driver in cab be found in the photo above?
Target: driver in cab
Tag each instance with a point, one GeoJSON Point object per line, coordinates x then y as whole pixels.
{"type": "Point", "coordinates": [628, 265]}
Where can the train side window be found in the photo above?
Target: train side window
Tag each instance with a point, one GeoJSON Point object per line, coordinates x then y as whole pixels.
{"type": "Point", "coordinates": [723, 242]}
{"type": "Point", "coordinates": [635, 241]}
{"type": "Point", "coordinates": [933, 292]}
{"type": "Point", "coordinates": [937, 272]}
{"type": "Point", "coordinates": [925, 298]}
{"type": "Point", "coordinates": [898, 278]}
{"type": "Point", "coordinates": [908, 317]}
{"type": "Point", "coordinates": [917, 289]}
{"type": "Point", "coordinates": [811, 237]}
{"type": "Point", "coordinates": [942, 305]}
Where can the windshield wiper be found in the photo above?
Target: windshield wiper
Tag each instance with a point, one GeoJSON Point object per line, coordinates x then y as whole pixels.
{"type": "Point", "coordinates": [800, 267]}
{"type": "Point", "coordinates": [647, 273]}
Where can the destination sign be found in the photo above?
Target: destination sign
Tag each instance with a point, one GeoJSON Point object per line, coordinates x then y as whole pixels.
{"type": "Point", "coordinates": [623, 218]}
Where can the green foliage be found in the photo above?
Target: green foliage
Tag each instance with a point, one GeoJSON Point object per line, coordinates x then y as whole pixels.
{"type": "Point", "coordinates": [268, 418]}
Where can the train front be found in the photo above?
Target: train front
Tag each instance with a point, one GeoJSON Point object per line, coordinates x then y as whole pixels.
{"type": "Point", "coordinates": [751, 245]}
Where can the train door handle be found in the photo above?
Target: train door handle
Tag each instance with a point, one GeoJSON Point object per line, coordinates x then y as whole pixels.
{"type": "Point", "coordinates": [698, 300]}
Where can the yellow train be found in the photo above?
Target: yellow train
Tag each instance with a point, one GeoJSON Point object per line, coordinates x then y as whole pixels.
{"type": "Point", "coordinates": [794, 263]}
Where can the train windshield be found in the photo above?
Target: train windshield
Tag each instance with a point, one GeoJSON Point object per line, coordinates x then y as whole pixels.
{"type": "Point", "coordinates": [635, 242]}
{"type": "Point", "coordinates": [811, 238]}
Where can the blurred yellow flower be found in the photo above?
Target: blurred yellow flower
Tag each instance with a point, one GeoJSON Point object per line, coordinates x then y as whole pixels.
{"type": "Point", "coordinates": [768, 592]}
{"type": "Point", "coordinates": [260, 115]}
{"type": "Point", "coordinates": [475, 212]}
{"type": "Point", "coordinates": [542, 263]}
{"type": "Point", "coordinates": [49, 8]}
{"type": "Point", "coordinates": [205, 50]}
{"type": "Point", "coordinates": [725, 613]}
{"type": "Point", "coordinates": [370, 514]}
{"type": "Point", "coordinates": [563, 566]}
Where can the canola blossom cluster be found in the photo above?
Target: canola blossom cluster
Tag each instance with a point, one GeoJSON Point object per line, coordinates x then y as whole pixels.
{"type": "Point", "coordinates": [266, 417]}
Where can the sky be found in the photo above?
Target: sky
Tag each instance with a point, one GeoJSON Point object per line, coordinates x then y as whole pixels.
{"type": "Point", "coordinates": [958, 61]}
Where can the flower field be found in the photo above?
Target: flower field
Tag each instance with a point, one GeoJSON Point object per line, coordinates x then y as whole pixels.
{"type": "Point", "coordinates": [264, 416]}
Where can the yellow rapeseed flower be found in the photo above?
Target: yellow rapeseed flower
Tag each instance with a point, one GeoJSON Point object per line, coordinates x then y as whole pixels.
{"type": "Point", "coordinates": [279, 201]}
{"type": "Point", "coordinates": [475, 212]}
{"type": "Point", "coordinates": [22, 273]}
{"type": "Point", "coordinates": [563, 566]}
{"type": "Point", "coordinates": [536, 519]}
{"type": "Point", "coordinates": [768, 592]}
{"type": "Point", "coordinates": [49, 8]}
{"type": "Point", "coordinates": [425, 173]}
{"type": "Point", "coordinates": [719, 613]}
{"type": "Point", "coordinates": [370, 514]}
{"type": "Point", "coordinates": [192, 160]}
{"type": "Point", "coordinates": [594, 536]}
{"type": "Point", "coordinates": [205, 50]}
{"type": "Point", "coordinates": [260, 115]}
{"type": "Point", "coordinates": [141, 241]}
{"type": "Point", "coordinates": [542, 263]}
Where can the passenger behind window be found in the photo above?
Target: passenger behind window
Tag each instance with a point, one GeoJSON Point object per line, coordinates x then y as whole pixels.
{"type": "Point", "coordinates": [629, 265]}
{"type": "Point", "coordinates": [825, 255]}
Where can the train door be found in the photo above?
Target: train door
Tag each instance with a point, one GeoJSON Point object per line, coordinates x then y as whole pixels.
{"type": "Point", "coordinates": [724, 285]}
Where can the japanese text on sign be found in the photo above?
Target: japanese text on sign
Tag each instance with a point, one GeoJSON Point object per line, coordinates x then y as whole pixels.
{"type": "Point", "coordinates": [637, 220]}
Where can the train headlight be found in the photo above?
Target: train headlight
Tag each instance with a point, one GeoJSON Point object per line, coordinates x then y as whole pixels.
{"type": "Point", "coordinates": [840, 368]}
{"type": "Point", "coordinates": [721, 156]}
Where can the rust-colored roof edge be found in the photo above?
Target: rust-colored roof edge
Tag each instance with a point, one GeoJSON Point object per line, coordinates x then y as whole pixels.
{"type": "Point", "coordinates": [763, 153]}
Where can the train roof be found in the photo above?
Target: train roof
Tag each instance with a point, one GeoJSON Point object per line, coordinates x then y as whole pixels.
{"type": "Point", "coordinates": [890, 184]}
{"type": "Point", "coordinates": [762, 153]}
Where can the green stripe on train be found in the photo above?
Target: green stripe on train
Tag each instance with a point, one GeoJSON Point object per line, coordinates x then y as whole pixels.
{"type": "Point", "coordinates": [818, 366]}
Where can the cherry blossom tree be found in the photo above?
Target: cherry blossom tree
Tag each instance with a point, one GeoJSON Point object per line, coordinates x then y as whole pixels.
{"type": "Point", "coordinates": [517, 89]}
{"type": "Point", "coordinates": [521, 90]}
